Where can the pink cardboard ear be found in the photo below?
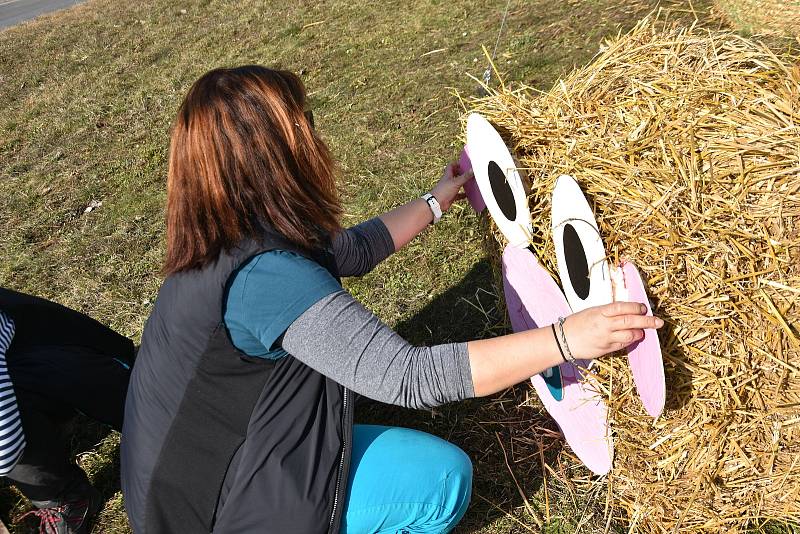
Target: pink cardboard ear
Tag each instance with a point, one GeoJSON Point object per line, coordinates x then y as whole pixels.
{"type": "Point", "coordinates": [644, 357]}
{"type": "Point", "coordinates": [471, 187]}
{"type": "Point", "coordinates": [534, 300]}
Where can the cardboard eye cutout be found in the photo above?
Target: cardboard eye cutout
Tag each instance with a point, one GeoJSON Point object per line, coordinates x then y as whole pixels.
{"type": "Point", "coordinates": [644, 357]}
{"type": "Point", "coordinates": [498, 181]}
{"type": "Point", "coordinates": [577, 264]}
{"type": "Point", "coordinates": [534, 300]}
{"type": "Point", "coordinates": [580, 254]}
{"type": "Point", "coordinates": [471, 187]}
{"type": "Point", "coordinates": [501, 191]}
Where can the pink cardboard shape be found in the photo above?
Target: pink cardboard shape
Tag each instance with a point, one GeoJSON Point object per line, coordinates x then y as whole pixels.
{"type": "Point", "coordinates": [471, 187]}
{"type": "Point", "coordinates": [535, 300]}
{"type": "Point", "coordinates": [644, 357]}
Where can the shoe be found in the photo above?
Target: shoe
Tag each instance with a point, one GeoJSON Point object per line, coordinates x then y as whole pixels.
{"type": "Point", "coordinates": [67, 517]}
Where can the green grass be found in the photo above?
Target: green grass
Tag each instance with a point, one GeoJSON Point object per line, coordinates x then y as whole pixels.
{"type": "Point", "coordinates": [776, 18]}
{"type": "Point", "coordinates": [86, 99]}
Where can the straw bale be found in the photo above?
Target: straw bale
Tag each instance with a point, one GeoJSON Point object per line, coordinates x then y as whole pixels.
{"type": "Point", "coordinates": [687, 144]}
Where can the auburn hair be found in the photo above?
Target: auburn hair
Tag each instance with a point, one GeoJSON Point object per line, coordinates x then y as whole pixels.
{"type": "Point", "coordinates": [243, 157]}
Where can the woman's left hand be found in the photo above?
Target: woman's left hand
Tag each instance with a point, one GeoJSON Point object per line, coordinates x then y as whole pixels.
{"type": "Point", "coordinates": [448, 189]}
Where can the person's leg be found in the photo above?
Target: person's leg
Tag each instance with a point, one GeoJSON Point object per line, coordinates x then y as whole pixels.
{"type": "Point", "coordinates": [44, 472]}
{"type": "Point", "coordinates": [63, 499]}
{"type": "Point", "coordinates": [75, 378]}
{"type": "Point", "coordinates": [405, 481]}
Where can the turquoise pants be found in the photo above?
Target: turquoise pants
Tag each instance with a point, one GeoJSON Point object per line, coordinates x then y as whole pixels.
{"type": "Point", "coordinates": [404, 481]}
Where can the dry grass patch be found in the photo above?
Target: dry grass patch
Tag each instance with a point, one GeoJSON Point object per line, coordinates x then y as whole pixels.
{"type": "Point", "coordinates": [771, 17]}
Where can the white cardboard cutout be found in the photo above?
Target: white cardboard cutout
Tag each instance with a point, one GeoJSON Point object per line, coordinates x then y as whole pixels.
{"type": "Point", "coordinates": [570, 208]}
{"type": "Point", "coordinates": [486, 146]}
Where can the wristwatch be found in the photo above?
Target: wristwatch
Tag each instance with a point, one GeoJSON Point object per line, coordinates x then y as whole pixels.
{"type": "Point", "coordinates": [433, 204]}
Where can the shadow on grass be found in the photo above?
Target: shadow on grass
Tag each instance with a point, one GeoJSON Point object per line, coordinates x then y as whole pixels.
{"type": "Point", "coordinates": [506, 436]}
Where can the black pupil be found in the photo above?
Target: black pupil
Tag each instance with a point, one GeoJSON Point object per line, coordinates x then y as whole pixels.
{"type": "Point", "coordinates": [577, 266]}
{"type": "Point", "coordinates": [502, 191]}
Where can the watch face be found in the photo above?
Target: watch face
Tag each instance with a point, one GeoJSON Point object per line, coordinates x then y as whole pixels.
{"type": "Point", "coordinates": [433, 204]}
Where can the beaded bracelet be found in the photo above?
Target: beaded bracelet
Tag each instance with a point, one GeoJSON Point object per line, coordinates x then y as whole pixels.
{"type": "Point", "coordinates": [558, 343]}
{"type": "Point", "coordinates": [569, 355]}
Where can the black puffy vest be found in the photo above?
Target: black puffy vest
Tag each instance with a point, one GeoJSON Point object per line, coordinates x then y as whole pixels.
{"type": "Point", "coordinates": [216, 441]}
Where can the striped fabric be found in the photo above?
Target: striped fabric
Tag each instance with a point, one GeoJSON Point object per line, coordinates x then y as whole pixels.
{"type": "Point", "coordinates": [12, 439]}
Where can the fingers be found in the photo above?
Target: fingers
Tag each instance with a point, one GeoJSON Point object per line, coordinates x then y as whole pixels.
{"type": "Point", "coordinates": [460, 176]}
{"type": "Point", "coordinates": [614, 347]}
{"type": "Point", "coordinates": [626, 337]}
{"type": "Point", "coordinates": [464, 178]}
{"type": "Point", "coordinates": [451, 170]}
{"type": "Point", "coordinates": [623, 308]}
{"type": "Point", "coordinates": [629, 322]}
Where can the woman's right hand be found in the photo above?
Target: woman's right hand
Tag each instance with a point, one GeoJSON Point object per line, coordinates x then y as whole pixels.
{"type": "Point", "coordinates": [601, 330]}
{"type": "Point", "coordinates": [448, 188]}
{"type": "Point", "coordinates": [499, 362]}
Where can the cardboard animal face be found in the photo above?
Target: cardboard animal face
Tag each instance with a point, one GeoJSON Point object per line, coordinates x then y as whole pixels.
{"type": "Point", "coordinates": [534, 299]}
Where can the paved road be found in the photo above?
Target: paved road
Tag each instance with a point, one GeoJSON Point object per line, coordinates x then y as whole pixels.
{"type": "Point", "coordinates": [15, 11]}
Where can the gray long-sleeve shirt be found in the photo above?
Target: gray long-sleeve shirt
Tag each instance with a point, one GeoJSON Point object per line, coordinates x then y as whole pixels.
{"type": "Point", "coordinates": [341, 339]}
{"type": "Point", "coordinates": [360, 248]}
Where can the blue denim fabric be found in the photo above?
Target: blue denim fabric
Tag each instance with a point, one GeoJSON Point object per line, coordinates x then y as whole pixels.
{"type": "Point", "coordinates": [404, 481]}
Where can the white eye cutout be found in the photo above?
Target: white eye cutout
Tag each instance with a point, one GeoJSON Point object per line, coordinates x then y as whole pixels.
{"type": "Point", "coordinates": [580, 254]}
{"type": "Point", "coordinates": [499, 181]}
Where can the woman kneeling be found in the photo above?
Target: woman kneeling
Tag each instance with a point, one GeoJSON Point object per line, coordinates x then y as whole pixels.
{"type": "Point", "coordinates": [239, 416]}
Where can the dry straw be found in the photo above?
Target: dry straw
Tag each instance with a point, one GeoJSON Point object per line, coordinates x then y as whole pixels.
{"type": "Point", "coordinates": [687, 144]}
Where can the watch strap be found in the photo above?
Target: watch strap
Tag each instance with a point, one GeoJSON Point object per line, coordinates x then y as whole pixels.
{"type": "Point", "coordinates": [433, 204]}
